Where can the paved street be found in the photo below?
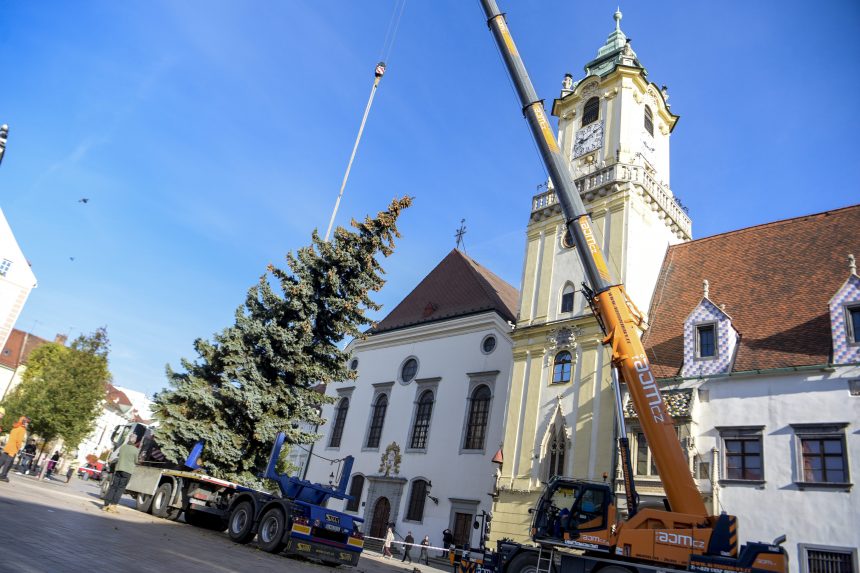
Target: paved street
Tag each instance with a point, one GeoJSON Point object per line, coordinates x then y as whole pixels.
{"type": "Point", "coordinates": [54, 527]}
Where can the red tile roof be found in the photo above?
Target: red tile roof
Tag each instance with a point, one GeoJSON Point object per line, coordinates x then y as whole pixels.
{"type": "Point", "coordinates": [18, 347]}
{"type": "Point", "coordinates": [776, 281]}
{"type": "Point", "coordinates": [458, 286]}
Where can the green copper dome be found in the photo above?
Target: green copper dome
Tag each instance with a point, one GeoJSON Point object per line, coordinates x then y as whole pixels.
{"type": "Point", "coordinates": [616, 51]}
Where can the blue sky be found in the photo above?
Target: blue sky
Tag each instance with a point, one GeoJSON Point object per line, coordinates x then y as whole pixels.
{"type": "Point", "coordinates": [211, 137]}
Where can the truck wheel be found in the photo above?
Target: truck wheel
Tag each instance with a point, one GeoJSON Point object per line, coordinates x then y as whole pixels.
{"type": "Point", "coordinates": [205, 520]}
{"type": "Point", "coordinates": [143, 502]}
{"type": "Point", "coordinates": [240, 527]}
{"type": "Point", "coordinates": [161, 501]}
{"type": "Point", "coordinates": [525, 562]}
{"type": "Point", "coordinates": [271, 532]}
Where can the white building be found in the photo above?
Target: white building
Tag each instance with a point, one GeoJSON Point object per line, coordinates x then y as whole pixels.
{"type": "Point", "coordinates": [762, 365]}
{"type": "Point", "coordinates": [16, 280]}
{"type": "Point", "coordinates": [120, 407]}
{"type": "Point", "coordinates": [424, 416]}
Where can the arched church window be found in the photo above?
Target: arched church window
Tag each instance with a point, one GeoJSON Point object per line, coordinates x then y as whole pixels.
{"type": "Point", "coordinates": [355, 490]}
{"type": "Point", "coordinates": [649, 120]}
{"type": "Point", "coordinates": [417, 497]}
{"type": "Point", "coordinates": [421, 424]}
{"type": "Point", "coordinates": [376, 421]}
{"type": "Point", "coordinates": [555, 452]}
{"type": "Point", "coordinates": [561, 368]}
{"type": "Point", "coordinates": [339, 421]}
{"type": "Point", "coordinates": [567, 299]}
{"type": "Point", "coordinates": [591, 111]}
{"type": "Point", "coordinates": [479, 416]}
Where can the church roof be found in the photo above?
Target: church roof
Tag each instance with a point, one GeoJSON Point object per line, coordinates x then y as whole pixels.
{"type": "Point", "coordinates": [775, 281]}
{"type": "Point", "coordinates": [616, 51]}
{"type": "Point", "coordinates": [458, 286]}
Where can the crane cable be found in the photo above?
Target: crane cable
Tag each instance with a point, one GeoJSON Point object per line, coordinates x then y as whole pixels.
{"type": "Point", "coordinates": [379, 71]}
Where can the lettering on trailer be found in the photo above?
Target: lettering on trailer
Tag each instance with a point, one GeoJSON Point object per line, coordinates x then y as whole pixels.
{"type": "Point", "coordinates": [649, 386]}
{"type": "Point", "coordinates": [332, 519]}
{"type": "Point", "coordinates": [678, 539]}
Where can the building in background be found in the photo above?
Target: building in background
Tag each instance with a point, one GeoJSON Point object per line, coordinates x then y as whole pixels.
{"type": "Point", "coordinates": [16, 280]}
{"type": "Point", "coordinates": [755, 337]}
{"type": "Point", "coordinates": [121, 406]}
{"type": "Point", "coordinates": [13, 357]}
{"type": "Point", "coordinates": [423, 417]}
{"type": "Point", "coordinates": [614, 126]}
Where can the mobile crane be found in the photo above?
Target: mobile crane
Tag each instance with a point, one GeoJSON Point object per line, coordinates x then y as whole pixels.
{"type": "Point", "coordinates": [580, 515]}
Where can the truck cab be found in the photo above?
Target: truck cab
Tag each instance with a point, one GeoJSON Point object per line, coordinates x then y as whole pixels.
{"type": "Point", "coordinates": [575, 513]}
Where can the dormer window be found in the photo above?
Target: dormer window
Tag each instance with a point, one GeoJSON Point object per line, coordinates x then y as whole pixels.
{"type": "Point", "coordinates": [853, 322]}
{"type": "Point", "coordinates": [591, 111]}
{"type": "Point", "coordinates": [706, 338]}
{"type": "Point", "coordinates": [567, 299]}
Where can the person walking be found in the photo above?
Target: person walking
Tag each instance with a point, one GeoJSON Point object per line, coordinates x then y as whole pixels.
{"type": "Point", "coordinates": [425, 543]}
{"type": "Point", "coordinates": [52, 464]}
{"type": "Point", "coordinates": [447, 541]}
{"type": "Point", "coordinates": [386, 545]}
{"type": "Point", "coordinates": [126, 459]}
{"type": "Point", "coordinates": [407, 547]}
{"type": "Point", "coordinates": [16, 440]}
{"type": "Point", "coordinates": [26, 464]}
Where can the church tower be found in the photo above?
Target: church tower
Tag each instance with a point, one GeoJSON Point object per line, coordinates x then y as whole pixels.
{"type": "Point", "coordinates": [614, 126]}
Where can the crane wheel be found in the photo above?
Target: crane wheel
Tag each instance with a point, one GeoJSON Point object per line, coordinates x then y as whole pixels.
{"type": "Point", "coordinates": [143, 502]}
{"type": "Point", "coordinates": [525, 562]}
{"type": "Point", "coordinates": [161, 502]}
{"type": "Point", "coordinates": [270, 534]}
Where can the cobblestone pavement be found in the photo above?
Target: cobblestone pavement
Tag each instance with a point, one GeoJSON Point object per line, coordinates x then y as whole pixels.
{"type": "Point", "coordinates": [50, 526]}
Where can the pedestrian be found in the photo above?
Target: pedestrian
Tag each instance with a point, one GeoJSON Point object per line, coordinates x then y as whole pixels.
{"type": "Point", "coordinates": [52, 464]}
{"type": "Point", "coordinates": [16, 440]}
{"type": "Point", "coordinates": [407, 547]}
{"type": "Point", "coordinates": [425, 543]}
{"type": "Point", "coordinates": [28, 456]}
{"type": "Point", "coordinates": [126, 459]}
{"type": "Point", "coordinates": [447, 541]}
{"type": "Point", "coordinates": [386, 545]}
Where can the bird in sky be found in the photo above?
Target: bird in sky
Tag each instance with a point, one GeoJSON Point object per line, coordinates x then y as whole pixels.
{"type": "Point", "coordinates": [84, 200]}
{"type": "Point", "coordinates": [72, 258]}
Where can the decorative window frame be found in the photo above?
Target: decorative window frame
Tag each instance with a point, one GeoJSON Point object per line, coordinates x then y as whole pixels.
{"type": "Point", "coordinates": [725, 432]}
{"type": "Point", "coordinates": [484, 340]}
{"type": "Point", "coordinates": [341, 394]}
{"type": "Point", "coordinates": [716, 324]}
{"type": "Point", "coordinates": [422, 385]}
{"type": "Point", "coordinates": [557, 425]}
{"type": "Point", "coordinates": [409, 500]}
{"type": "Point", "coordinates": [803, 551]}
{"type": "Point", "coordinates": [486, 378]}
{"type": "Point", "coordinates": [820, 430]}
{"type": "Point", "coordinates": [378, 389]}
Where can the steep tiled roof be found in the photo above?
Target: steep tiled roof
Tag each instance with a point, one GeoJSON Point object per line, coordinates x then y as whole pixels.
{"type": "Point", "coordinates": [18, 347]}
{"type": "Point", "coordinates": [456, 287]}
{"type": "Point", "coordinates": [775, 281]}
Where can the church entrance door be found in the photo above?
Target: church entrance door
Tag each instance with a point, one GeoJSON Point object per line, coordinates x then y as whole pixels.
{"type": "Point", "coordinates": [381, 513]}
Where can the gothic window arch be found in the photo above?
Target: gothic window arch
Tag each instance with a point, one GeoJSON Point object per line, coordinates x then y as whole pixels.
{"type": "Point", "coordinates": [355, 490]}
{"type": "Point", "coordinates": [421, 423]}
{"type": "Point", "coordinates": [556, 447]}
{"type": "Point", "coordinates": [649, 120]}
{"type": "Point", "coordinates": [561, 367]}
{"type": "Point", "coordinates": [339, 422]}
{"type": "Point", "coordinates": [566, 303]}
{"type": "Point", "coordinates": [479, 416]}
{"type": "Point", "coordinates": [591, 111]}
{"type": "Point", "coordinates": [377, 419]}
{"type": "Point", "coordinates": [417, 497]}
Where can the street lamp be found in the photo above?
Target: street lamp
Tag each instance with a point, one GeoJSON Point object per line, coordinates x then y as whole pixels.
{"type": "Point", "coordinates": [4, 134]}
{"type": "Point", "coordinates": [433, 499]}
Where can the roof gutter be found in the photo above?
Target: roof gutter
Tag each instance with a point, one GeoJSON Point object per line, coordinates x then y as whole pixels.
{"type": "Point", "coordinates": [826, 367]}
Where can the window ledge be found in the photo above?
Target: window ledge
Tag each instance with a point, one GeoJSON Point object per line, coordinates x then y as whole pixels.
{"type": "Point", "coordinates": [465, 451]}
{"type": "Point", "coordinates": [415, 450]}
{"type": "Point", "coordinates": [366, 449]}
{"type": "Point", "coordinates": [756, 482]}
{"type": "Point", "coordinates": [823, 485]}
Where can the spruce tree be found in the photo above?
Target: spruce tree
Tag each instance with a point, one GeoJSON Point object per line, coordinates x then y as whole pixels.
{"type": "Point", "coordinates": [260, 375]}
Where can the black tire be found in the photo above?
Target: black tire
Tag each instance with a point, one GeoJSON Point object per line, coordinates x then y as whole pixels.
{"type": "Point", "coordinates": [160, 505]}
{"type": "Point", "coordinates": [143, 502]}
{"type": "Point", "coordinates": [270, 534]}
{"type": "Point", "coordinates": [525, 562]}
{"type": "Point", "coordinates": [205, 520]}
{"type": "Point", "coordinates": [240, 525]}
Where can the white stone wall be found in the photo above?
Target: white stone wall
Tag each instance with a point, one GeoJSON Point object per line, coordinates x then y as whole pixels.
{"type": "Point", "coordinates": [823, 516]}
{"type": "Point", "coordinates": [16, 280]}
{"type": "Point", "coordinates": [448, 353]}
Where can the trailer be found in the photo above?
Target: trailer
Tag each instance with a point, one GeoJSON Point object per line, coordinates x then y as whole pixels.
{"type": "Point", "coordinates": [295, 520]}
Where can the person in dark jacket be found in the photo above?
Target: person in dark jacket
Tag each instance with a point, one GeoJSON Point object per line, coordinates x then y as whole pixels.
{"type": "Point", "coordinates": [407, 547]}
{"type": "Point", "coordinates": [425, 543]}
{"type": "Point", "coordinates": [447, 541]}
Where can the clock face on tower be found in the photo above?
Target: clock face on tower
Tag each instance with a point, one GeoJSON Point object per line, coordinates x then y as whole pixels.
{"type": "Point", "coordinates": [588, 138]}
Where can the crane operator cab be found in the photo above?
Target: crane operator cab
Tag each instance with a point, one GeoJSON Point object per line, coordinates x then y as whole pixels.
{"type": "Point", "coordinates": [576, 514]}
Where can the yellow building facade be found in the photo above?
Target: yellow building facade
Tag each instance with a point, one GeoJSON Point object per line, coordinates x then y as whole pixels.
{"type": "Point", "coordinates": [614, 126]}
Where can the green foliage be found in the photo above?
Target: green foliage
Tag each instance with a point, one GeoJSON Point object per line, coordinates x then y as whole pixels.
{"type": "Point", "coordinates": [258, 376]}
{"type": "Point", "coordinates": [62, 389]}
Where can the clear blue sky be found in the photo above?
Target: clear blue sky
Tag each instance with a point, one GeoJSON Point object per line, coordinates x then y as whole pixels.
{"type": "Point", "coordinates": [211, 138]}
